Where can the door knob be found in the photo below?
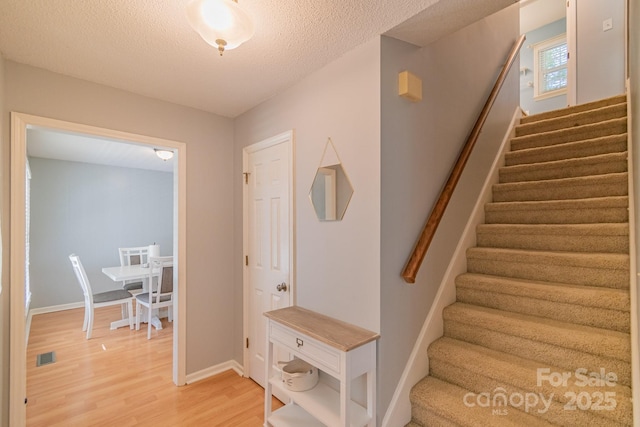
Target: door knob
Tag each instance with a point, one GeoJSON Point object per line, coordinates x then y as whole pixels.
{"type": "Point", "coordinates": [281, 287]}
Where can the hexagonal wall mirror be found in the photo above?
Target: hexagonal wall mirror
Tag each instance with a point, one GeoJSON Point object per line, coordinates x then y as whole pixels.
{"type": "Point", "coordinates": [331, 190]}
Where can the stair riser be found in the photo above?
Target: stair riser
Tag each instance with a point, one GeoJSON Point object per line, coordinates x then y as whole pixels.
{"type": "Point", "coordinates": [574, 120]}
{"type": "Point", "coordinates": [541, 271]}
{"type": "Point", "coordinates": [603, 343]}
{"type": "Point", "coordinates": [604, 298]}
{"type": "Point", "coordinates": [575, 109]}
{"type": "Point", "coordinates": [581, 315]}
{"type": "Point", "coordinates": [438, 403]}
{"type": "Point", "coordinates": [556, 412]}
{"type": "Point", "coordinates": [543, 353]}
{"type": "Point", "coordinates": [555, 242]}
{"type": "Point", "coordinates": [534, 173]}
{"type": "Point", "coordinates": [424, 417]}
{"type": "Point", "coordinates": [575, 150]}
{"type": "Point", "coordinates": [557, 216]}
{"type": "Point", "coordinates": [559, 191]}
{"type": "Point", "coordinates": [613, 127]}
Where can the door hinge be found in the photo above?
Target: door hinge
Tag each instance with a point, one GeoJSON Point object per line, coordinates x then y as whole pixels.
{"type": "Point", "coordinates": [247, 344]}
{"type": "Point", "coordinates": [246, 177]}
{"type": "Point", "coordinates": [246, 260]}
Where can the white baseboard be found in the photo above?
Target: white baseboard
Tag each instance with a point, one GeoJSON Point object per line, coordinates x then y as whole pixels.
{"type": "Point", "coordinates": [215, 370]}
{"type": "Point", "coordinates": [53, 308]}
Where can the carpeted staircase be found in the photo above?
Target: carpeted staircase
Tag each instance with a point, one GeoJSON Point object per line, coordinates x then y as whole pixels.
{"type": "Point", "coordinates": [542, 320]}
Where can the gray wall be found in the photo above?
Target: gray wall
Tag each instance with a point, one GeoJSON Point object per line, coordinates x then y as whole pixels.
{"type": "Point", "coordinates": [338, 262]}
{"type": "Point", "coordinates": [528, 104]}
{"type": "Point", "coordinates": [397, 155]}
{"type": "Point", "coordinates": [209, 140]}
{"type": "Point", "coordinates": [91, 210]}
{"type": "Point", "coordinates": [600, 67]}
{"type": "Point", "coordinates": [420, 143]}
{"type": "Point", "coordinates": [4, 266]}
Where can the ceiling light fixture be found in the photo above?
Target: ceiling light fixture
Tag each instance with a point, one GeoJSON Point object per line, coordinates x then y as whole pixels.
{"type": "Point", "coordinates": [163, 154]}
{"type": "Point", "coordinates": [221, 23]}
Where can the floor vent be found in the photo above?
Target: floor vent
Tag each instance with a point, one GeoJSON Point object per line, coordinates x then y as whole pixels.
{"type": "Point", "coordinates": [46, 358]}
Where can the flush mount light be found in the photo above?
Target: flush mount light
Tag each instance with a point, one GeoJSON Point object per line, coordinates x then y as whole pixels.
{"type": "Point", "coordinates": [163, 154]}
{"type": "Point", "coordinates": [221, 23]}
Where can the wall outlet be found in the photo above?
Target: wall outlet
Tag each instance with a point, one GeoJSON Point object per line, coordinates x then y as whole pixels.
{"type": "Point", "coordinates": [607, 24]}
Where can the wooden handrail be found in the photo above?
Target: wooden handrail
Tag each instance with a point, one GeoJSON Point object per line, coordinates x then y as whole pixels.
{"type": "Point", "coordinates": [422, 245]}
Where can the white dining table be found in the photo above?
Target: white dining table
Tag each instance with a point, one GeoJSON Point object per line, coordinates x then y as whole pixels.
{"type": "Point", "coordinates": [126, 272]}
{"type": "Point", "coordinates": [130, 272]}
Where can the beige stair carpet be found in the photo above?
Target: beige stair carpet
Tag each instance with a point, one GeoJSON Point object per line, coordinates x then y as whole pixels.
{"type": "Point", "coordinates": [539, 335]}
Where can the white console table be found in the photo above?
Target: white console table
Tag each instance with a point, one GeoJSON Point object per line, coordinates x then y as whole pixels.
{"type": "Point", "coordinates": [337, 348]}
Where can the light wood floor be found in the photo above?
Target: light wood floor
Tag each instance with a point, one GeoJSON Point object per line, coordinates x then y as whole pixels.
{"type": "Point", "coordinates": [121, 378]}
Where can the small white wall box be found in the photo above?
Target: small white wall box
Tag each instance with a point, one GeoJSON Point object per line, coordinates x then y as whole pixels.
{"type": "Point", "coordinates": [409, 86]}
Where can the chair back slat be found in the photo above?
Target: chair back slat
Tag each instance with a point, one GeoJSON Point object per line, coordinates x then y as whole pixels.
{"type": "Point", "coordinates": [81, 275]}
{"type": "Point", "coordinates": [134, 255]}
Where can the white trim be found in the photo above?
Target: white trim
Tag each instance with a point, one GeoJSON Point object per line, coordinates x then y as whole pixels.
{"type": "Point", "coordinates": [399, 411]}
{"type": "Point", "coordinates": [17, 351]}
{"type": "Point", "coordinates": [572, 48]}
{"type": "Point", "coordinates": [215, 370]}
{"type": "Point", "coordinates": [54, 308]}
{"type": "Point", "coordinates": [286, 138]}
{"type": "Point", "coordinates": [633, 269]}
{"type": "Point", "coordinates": [537, 75]}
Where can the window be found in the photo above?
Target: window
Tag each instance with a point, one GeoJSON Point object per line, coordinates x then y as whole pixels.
{"type": "Point", "coordinates": [550, 67]}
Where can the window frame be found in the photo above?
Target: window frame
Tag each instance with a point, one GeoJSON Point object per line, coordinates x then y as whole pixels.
{"type": "Point", "coordinates": [538, 75]}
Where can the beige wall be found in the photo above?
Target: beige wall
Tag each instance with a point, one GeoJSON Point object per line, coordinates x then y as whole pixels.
{"type": "Point", "coordinates": [209, 141]}
{"type": "Point", "coordinates": [4, 227]}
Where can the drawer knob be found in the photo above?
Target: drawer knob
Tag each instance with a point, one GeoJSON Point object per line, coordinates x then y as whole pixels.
{"type": "Point", "coordinates": [299, 342]}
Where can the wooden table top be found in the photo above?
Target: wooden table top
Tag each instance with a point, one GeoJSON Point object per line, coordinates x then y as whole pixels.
{"type": "Point", "coordinates": [336, 333]}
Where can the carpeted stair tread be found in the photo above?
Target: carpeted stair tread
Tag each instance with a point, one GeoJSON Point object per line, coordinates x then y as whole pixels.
{"type": "Point", "coordinates": [613, 184]}
{"type": "Point", "coordinates": [548, 284]}
{"type": "Point", "coordinates": [482, 370]}
{"type": "Point", "coordinates": [586, 296]}
{"type": "Point", "coordinates": [575, 211]}
{"type": "Point", "coordinates": [562, 136]}
{"type": "Point", "coordinates": [542, 352]}
{"type": "Point", "coordinates": [598, 237]}
{"type": "Point", "coordinates": [566, 168]}
{"type": "Point", "coordinates": [618, 99]}
{"type": "Point", "coordinates": [589, 269]}
{"type": "Point", "coordinates": [572, 120]}
{"type": "Point", "coordinates": [570, 150]}
{"type": "Point", "coordinates": [586, 339]}
{"type": "Point", "coordinates": [597, 307]}
{"type": "Point", "coordinates": [435, 400]}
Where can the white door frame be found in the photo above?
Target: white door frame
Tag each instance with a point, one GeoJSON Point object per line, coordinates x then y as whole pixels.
{"type": "Point", "coordinates": [286, 138]}
{"type": "Point", "coordinates": [17, 351]}
{"type": "Point", "coordinates": [572, 49]}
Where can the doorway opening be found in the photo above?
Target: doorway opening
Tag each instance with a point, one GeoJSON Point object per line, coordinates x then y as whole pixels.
{"type": "Point", "coordinates": [544, 69]}
{"type": "Point", "coordinates": [20, 124]}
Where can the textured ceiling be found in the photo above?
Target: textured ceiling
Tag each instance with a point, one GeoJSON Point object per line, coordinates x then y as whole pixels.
{"type": "Point", "coordinates": [147, 47]}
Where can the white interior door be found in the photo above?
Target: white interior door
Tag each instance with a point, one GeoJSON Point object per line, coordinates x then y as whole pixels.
{"type": "Point", "coordinates": [268, 240]}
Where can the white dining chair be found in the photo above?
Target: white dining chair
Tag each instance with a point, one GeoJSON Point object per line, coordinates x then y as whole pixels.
{"type": "Point", "coordinates": [102, 299]}
{"type": "Point", "coordinates": [133, 256]}
{"type": "Point", "coordinates": [160, 269]}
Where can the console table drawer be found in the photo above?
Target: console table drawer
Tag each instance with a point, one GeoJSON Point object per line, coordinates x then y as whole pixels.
{"type": "Point", "coordinates": [328, 359]}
